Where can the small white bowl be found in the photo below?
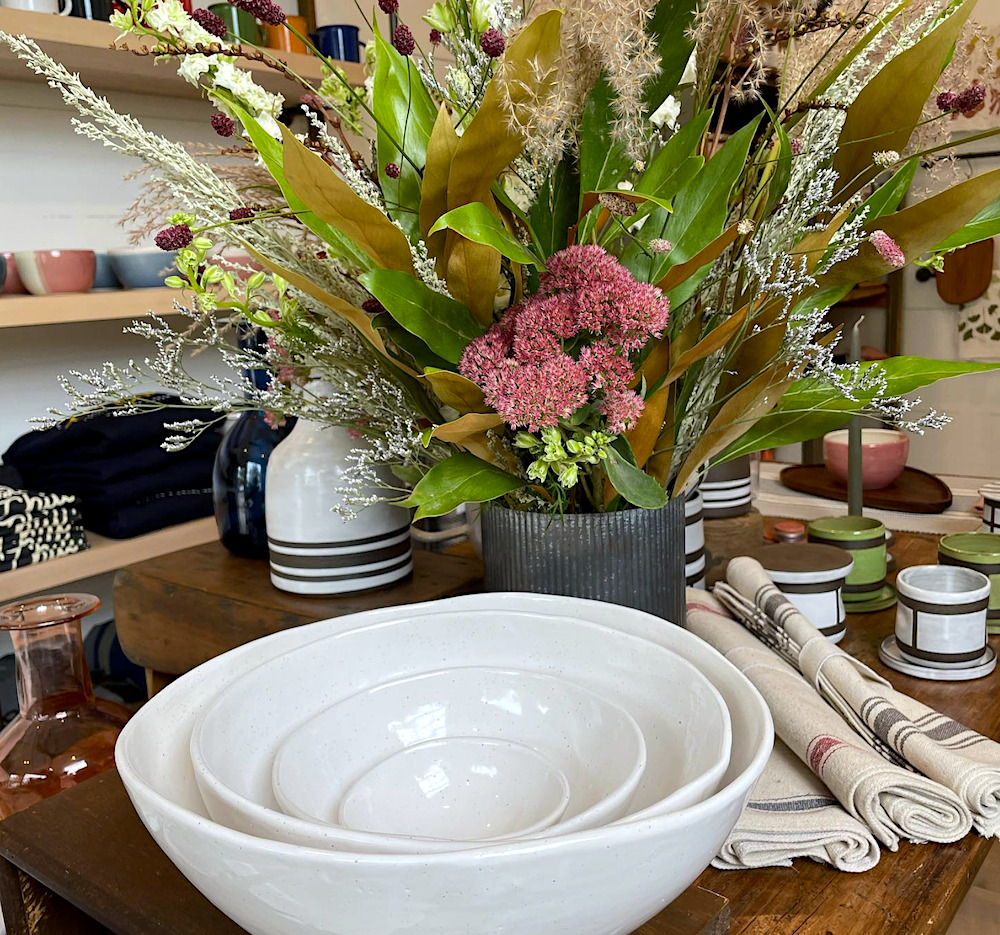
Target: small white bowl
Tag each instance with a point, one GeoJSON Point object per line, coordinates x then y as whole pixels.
{"type": "Point", "coordinates": [609, 879]}
{"type": "Point", "coordinates": [595, 743]}
{"type": "Point", "coordinates": [458, 789]}
{"type": "Point", "coordinates": [234, 744]}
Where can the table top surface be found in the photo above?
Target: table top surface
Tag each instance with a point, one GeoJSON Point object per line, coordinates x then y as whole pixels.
{"type": "Point", "coordinates": [913, 891]}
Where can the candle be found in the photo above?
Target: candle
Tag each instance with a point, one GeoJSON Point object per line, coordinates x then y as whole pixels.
{"type": "Point", "coordinates": [855, 491]}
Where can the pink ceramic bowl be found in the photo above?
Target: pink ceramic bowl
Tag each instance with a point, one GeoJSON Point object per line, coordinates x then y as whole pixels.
{"type": "Point", "coordinates": [12, 284]}
{"type": "Point", "coordinates": [883, 456]}
{"type": "Point", "coordinates": [45, 272]}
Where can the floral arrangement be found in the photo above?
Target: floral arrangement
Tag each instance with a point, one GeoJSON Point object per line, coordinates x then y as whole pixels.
{"type": "Point", "coordinates": [562, 271]}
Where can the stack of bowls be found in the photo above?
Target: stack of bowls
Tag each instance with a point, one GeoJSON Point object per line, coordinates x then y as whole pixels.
{"type": "Point", "coordinates": [491, 763]}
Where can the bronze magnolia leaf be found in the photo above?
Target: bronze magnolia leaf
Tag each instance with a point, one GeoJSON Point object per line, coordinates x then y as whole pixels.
{"type": "Point", "coordinates": [330, 198]}
{"type": "Point", "coordinates": [456, 391]}
{"type": "Point", "coordinates": [434, 191]}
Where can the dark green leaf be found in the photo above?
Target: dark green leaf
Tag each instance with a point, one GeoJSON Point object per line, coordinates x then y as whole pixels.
{"type": "Point", "coordinates": [477, 223]}
{"type": "Point", "coordinates": [668, 28]}
{"type": "Point", "coordinates": [422, 355]}
{"type": "Point", "coordinates": [889, 196]}
{"type": "Point", "coordinates": [984, 225]}
{"type": "Point", "coordinates": [661, 176]}
{"type": "Point", "coordinates": [462, 478]}
{"type": "Point", "coordinates": [405, 113]}
{"type": "Point", "coordinates": [636, 486]}
{"type": "Point", "coordinates": [557, 207]}
{"type": "Point", "coordinates": [445, 326]}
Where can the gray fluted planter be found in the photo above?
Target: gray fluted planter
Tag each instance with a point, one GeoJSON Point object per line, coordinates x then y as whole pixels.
{"type": "Point", "coordinates": [630, 557]}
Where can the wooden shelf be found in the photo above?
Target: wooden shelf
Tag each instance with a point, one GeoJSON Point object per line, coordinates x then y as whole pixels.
{"type": "Point", "coordinates": [104, 555]}
{"type": "Point", "coordinates": [18, 311]}
{"type": "Point", "coordinates": [84, 46]}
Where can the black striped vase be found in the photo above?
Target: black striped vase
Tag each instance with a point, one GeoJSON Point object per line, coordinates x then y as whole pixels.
{"type": "Point", "coordinates": [630, 557]}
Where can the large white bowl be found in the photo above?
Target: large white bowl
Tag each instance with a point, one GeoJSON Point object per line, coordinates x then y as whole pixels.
{"type": "Point", "coordinates": [595, 743]}
{"type": "Point", "coordinates": [684, 720]}
{"type": "Point", "coordinates": [458, 789]}
{"type": "Point", "coordinates": [607, 881]}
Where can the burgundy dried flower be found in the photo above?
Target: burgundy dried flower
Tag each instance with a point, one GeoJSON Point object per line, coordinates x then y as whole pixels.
{"type": "Point", "coordinates": [435, 37]}
{"type": "Point", "coordinates": [946, 101]}
{"type": "Point", "coordinates": [264, 10]}
{"type": "Point", "coordinates": [970, 100]}
{"type": "Point", "coordinates": [210, 23]}
{"type": "Point", "coordinates": [223, 125]}
{"type": "Point", "coordinates": [492, 42]}
{"type": "Point", "coordinates": [402, 39]}
{"type": "Point", "coordinates": [176, 237]}
{"type": "Point", "coordinates": [373, 306]}
{"type": "Point", "coordinates": [388, 6]}
{"type": "Point", "coordinates": [392, 170]}
{"type": "Point", "coordinates": [241, 214]}
{"type": "Point", "coordinates": [796, 145]}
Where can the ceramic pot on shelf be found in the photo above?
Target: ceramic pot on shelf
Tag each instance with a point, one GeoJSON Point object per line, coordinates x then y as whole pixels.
{"type": "Point", "coordinates": [630, 557]}
{"type": "Point", "coordinates": [61, 734]}
{"type": "Point", "coordinates": [313, 550]}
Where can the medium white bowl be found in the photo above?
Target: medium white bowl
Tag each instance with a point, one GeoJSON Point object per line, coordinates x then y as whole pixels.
{"type": "Point", "coordinates": [595, 743]}
{"type": "Point", "coordinates": [601, 882]}
{"type": "Point", "coordinates": [458, 789]}
{"type": "Point", "coordinates": [235, 742]}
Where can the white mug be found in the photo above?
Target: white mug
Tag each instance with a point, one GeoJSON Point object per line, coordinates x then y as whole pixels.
{"type": "Point", "coordinates": [40, 6]}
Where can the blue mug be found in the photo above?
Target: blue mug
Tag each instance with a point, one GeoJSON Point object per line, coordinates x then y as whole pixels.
{"type": "Point", "coordinates": [339, 42]}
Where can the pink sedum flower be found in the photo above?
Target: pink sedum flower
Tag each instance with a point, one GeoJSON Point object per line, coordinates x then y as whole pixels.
{"type": "Point", "coordinates": [569, 343]}
{"type": "Point", "coordinates": [887, 248]}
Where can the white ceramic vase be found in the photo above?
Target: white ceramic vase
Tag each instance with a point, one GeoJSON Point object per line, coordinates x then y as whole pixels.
{"type": "Point", "coordinates": [313, 550]}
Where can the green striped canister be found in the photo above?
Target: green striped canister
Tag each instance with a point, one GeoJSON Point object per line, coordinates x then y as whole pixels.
{"type": "Point", "coordinates": [864, 538]}
{"type": "Point", "coordinates": [981, 552]}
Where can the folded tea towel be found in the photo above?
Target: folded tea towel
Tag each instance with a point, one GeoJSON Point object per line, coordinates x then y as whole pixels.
{"type": "Point", "coordinates": [899, 727]}
{"type": "Point", "coordinates": [792, 814]}
{"type": "Point", "coordinates": [155, 512]}
{"type": "Point", "coordinates": [891, 801]}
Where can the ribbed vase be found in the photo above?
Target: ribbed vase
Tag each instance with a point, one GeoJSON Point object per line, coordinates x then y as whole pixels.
{"type": "Point", "coordinates": [630, 557]}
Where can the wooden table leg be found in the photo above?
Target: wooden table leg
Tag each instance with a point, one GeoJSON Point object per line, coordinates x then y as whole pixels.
{"type": "Point", "coordinates": [29, 908]}
{"type": "Point", "coordinates": [155, 681]}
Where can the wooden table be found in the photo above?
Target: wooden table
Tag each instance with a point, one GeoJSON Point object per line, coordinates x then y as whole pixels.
{"type": "Point", "coordinates": [174, 612]}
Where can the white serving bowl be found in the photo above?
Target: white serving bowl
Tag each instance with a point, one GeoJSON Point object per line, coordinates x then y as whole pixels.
{"type": "Point", "coordinates": [595, 743]}
{"type": "Point", "coordinates": [458, 789]}
{"type": "Point", "coordinates": [234, 744]}
{"type": "Point", "coordinates": [606, 881]}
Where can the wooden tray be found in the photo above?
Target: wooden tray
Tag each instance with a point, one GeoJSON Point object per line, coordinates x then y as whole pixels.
{"type": "Point", "coordinates": [912, 492]}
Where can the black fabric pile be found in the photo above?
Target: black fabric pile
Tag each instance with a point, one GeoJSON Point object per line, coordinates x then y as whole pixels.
{"type": "Point", "coordinates": [37, 526]}
{"type": "Point", "coordinates": [124, 482]}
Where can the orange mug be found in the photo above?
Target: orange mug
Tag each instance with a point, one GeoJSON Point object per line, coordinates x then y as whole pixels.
{"type": "Point", "coordinates": [279, 37]}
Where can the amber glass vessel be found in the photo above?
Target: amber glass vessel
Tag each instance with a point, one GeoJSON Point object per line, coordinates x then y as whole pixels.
{"type": "Point", "coordinates": [62, 734]}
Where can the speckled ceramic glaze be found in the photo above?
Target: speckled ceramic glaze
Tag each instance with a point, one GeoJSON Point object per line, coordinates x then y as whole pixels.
{"type": "Point", "coordinates": [864, 538]}
{"type": "Point", "coordinates": [606, 881]}
{"type": "Point", "coordinates": [595, 743]}
{"type": "Point", "coordinates": [694, 540]}
{"type": "Point", "coordinates": [883, 456]}
{"type": "Point", "coordinates": [726, 489]}
{"type": "Point", "coordinates": [979, 551]}
{"type": "Point", "coordinates": [941, 615]}
{"type": "Point", "coordinates": [235, 743]}
{"type": "Point", "coordinates": [47, 272]}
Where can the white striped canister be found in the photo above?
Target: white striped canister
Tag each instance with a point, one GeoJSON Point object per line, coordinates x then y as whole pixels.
{"type": "Point", "coordinates": [991, 506]}
{"type": "Point", "coordinates": [694, 540]}
{"type": "Point", "coordinates": [941, 615]}
{"type": "Point", "coordinates": [811, 577]}
{"type": "Point", "coordinates": [313, 550]}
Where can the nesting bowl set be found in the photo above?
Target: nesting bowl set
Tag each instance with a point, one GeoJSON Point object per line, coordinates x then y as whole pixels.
{"type": "Point", "coordinates": [497, 763]}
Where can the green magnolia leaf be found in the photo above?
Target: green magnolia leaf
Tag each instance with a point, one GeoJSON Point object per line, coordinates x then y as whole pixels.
{"type": "Point", "coordinates": [635, 485]}
{"type": "Point", "coordinates": [659, 177]}
{"type": "Point", "coordinates": [701, 207]}
{"type": "Point", "coordinates": [405, 114]}
{"type": "Point", "coordinates": [444, 325]}
{"type": "Point", "coordinates": [885, 112]}
{"type": "Point", "coordinates": [603, 160]}
{"type": "Point", "coordinates": [422, 355]}
{"type": "Point", "coordinates": [984, 225]}
{"type": "Point", "coordinates": [557, 207]}
{"type": "Point", "coordinates": [810, 408]}
{"type": "Point", "coordinates": [270, 152]}
{"type": "Point", "coordinates": [889, 196]}
{"type": "Point", "coordinates": [462, 478]}
{"type": "Point", "coordinates": [477, 223]}
{"type": "Point", "coordinates": [668, 28]}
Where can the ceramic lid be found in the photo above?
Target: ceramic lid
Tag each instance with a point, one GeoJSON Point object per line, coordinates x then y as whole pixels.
{"type": "Point", "coordinates": [805, 558]}
{"type": "Point", "coordinates": [990, 491]}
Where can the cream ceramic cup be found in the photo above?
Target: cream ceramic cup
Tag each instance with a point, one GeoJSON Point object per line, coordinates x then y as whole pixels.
{"type": "Point", "coordinates": [941, 615]}
{"type": "Point", "coordinates": [811, 577]}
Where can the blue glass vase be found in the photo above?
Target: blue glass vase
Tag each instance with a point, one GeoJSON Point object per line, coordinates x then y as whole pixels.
{"type": "Point", "coordinates": [240, 468]}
